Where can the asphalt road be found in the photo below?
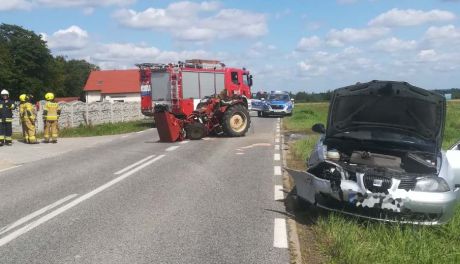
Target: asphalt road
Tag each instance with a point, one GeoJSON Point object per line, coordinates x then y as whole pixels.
{"type": "Point", "coordinates": [207, 201]}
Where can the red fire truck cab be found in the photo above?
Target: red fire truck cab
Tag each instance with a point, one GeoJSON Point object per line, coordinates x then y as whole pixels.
{"type": "Point", "coordinates": [183, 85]}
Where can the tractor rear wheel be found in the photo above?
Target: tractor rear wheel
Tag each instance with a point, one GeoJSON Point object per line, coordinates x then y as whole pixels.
{"type": "Point", "coordinates": [236, 121]}
{"type": "Point", "coordinates": [195, 131]}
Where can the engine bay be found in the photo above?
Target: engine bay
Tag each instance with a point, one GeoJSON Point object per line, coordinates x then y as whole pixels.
{"type": "Point", "coordinates": [378, 170]}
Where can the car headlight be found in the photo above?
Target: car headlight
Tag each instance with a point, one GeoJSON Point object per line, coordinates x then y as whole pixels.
{"type": "Point", "coordinates": [431, 184]}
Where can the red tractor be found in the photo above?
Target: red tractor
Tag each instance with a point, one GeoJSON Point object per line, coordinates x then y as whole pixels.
{"type": "Point", "coordinates": [214, 115]}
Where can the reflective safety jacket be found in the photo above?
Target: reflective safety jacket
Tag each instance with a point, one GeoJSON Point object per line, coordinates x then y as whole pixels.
{"type": "Point", "coordinates": [27, 111]}
{"type": "Point", "coordinates": [51, 111]}
{"type": "Point", "coordinates": [6, 110]}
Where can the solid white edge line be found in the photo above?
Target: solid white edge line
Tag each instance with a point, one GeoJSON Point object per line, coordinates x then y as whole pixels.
{"type": "Point", "coordinates": [172, 148]}
{"type": "Point", "coordinates": [35, 214]}
{"type": "Point", "coordinates": [133, 165]}
{"type": "Point", "coordinates": [277, 170]}
{"type": "Point", "coordinates": [277, 156]}
{"type": "Point", "coordinates": [279, 194]}
{"type": "Point", "coordinates": [10, 168]}
{"type": "Point", "coordinates": [8, 238]}
{"type": "Point", "coordinates": [280, 234]}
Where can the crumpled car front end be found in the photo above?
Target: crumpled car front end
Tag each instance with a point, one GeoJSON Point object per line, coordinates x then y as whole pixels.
{"type": "Point", "coordinates": [380, 156]}
{"type": "Point", "coordinates": [377, 192]}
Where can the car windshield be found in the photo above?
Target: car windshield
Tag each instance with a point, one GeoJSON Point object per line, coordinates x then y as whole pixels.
{"type": "Point", "coordinates": [279, 97]}
{"type": "Point", "coordinates": [246, 79]}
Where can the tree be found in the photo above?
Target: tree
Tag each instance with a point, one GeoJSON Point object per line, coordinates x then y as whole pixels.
{"type": "Point", "coordinates": [29, 64]}
{"type": "Point", "coordinates": [77, 72]}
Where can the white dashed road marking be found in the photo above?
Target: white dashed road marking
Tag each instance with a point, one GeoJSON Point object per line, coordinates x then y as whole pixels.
{"type": "Point", "coordinates": [277, 170]}
{"type": "Point", "coordinates": [279, 194]}
{"type": "Point", "coordinates": [31, 216]}
{"type": "Point", "coordinates": [184, 142]}
{"type": "Point", "coordinates": [277, 157]}
{"type": "Point", "coordinates": [280, 234]}
{"type": "Point", "coordinates": [172, 148]}
{"type": "Point", "coordinates": [13, 235]}
{"type": "Point", "coordinates": [277, 140]}
{"type": "Point", "coordinates": [133, 165]}
{"type": "Point", "coordinates": [10, 168]}
{"type": "Point", "coordinates": [277, 147]}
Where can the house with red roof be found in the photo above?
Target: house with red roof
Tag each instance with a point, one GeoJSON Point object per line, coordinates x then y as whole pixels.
{"type": "Point", "coordinates": [113, 86]}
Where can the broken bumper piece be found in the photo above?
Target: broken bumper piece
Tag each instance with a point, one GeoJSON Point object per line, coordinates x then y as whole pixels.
{"type": "Point", "coordinates": [394, 205]}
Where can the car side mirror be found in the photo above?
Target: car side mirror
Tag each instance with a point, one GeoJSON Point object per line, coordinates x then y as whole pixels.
{"type": "Point", "coordinates": [318, 128]}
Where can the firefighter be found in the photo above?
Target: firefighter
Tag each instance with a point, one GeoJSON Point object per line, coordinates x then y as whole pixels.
{"type": "Point", "coordinates": [51, 113]}
{"type": "Point", "coordinates": [28, 116]}
{"type": "Point", "coordinates": [6, 118]}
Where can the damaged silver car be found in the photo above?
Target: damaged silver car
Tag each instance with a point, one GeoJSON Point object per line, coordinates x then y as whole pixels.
{"type": "Point", "coordinates": [380, 156]}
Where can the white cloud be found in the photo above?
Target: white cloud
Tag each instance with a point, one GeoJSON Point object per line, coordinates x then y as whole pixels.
{"type": "Point", "coordinates": [7, 5]}
{"type": "Point", "coordinates": [309, 43]}
{"type": "Point", "coordinates": [338, 38]}
{"type": "Point", "coordinates": [126, 55]}
{"type": "Point", "coordinates": [427, 55]}
{"type": "Point", "coordinates": [261, 50]}
{"type": "Point", "coordinates": [346, 2]}
{"type": "Point", "coordinates": [284, 13]}
{"type": "Point", "coordinates": [394, 45]}
{"type": "Point", "coordinates": [446, 35]}
{"type": "Point", "coordinates": [196, 21]}
{"type": "Point", "coordinates": [72, 38]}
{"type": "Point", "coordinates": [410, 17]}
{"type": "Point", "coordinates": [84, 3]}
{"type": "Point", "coordinates": [348, 61]}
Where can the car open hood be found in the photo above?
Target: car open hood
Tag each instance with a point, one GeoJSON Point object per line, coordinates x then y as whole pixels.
{"type": "Point", "coordinates": [395, 107]}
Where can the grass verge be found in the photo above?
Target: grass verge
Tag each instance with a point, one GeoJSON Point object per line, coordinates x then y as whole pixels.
{"type": "Point", "coordinates": [335, 238]}
{"type": "Point", "coordinates": [100, 130]}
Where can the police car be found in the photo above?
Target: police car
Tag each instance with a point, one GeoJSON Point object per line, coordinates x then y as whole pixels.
{"type": "Point", "coordinates": [276, 103]}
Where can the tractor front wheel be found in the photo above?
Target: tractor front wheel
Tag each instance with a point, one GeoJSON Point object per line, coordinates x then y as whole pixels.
{"type": "Point", "coordinates": [195, 131]}
{"type": "Point", "coordinates": [236, 121]}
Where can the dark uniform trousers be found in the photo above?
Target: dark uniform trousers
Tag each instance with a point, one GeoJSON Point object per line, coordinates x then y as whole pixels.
{"type": "Point", "coordinates": [6, 121]}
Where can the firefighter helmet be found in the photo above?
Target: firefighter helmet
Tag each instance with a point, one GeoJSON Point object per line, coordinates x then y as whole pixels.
{"type": "Point", "coordinates": [5, 92]}
{"type": "Point", "coordinates": [49, 96]}
{"type": "Point", "coordinates": [23, 97]}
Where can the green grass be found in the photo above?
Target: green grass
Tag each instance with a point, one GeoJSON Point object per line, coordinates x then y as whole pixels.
{"type": "Point", "coordinates": [348, 240]}
{"type": "Point", "coordinates": [101, 130]}
{"type": "Point", "coordinates": [305, 116]}
{"type": "Point", "coordinates": [344, 239]}
{"type": "Point", "coordinates": [452, 126]}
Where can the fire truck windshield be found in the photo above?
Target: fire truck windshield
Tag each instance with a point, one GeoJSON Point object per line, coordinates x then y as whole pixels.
{"type": "Point", "coordinates": [247, 79]}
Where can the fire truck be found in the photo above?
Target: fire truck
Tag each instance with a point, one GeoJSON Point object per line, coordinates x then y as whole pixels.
{"type": "Point", "coordinates": [181, 86]}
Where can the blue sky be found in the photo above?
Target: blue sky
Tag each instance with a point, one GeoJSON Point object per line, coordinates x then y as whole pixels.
{"type": "Point", "coordinates": [288, 45]}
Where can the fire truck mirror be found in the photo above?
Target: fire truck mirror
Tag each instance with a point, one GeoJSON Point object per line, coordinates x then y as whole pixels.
{"type": "Point", "coordinates": [250, 80]}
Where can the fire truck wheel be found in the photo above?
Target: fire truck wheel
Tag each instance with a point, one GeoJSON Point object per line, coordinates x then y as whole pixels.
{"type": "Point", "coordinates": [236, 121]}
{"type": "Point", "coordinates": [195, 131]}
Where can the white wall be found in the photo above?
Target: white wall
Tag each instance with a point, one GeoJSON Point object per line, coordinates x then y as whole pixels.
{"type": "Point", "coordinates": [93, 96]}
{"type": "Point", "coordinates": [125, 97]}
{"type": "Point", "coordinates": [76, 113]}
